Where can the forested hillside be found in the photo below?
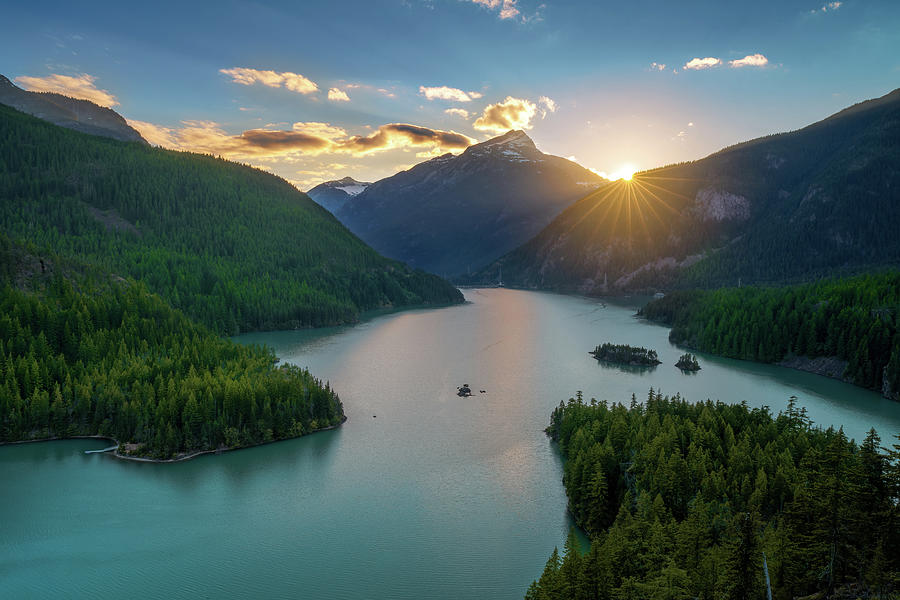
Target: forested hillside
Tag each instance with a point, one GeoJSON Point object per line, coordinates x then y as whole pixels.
{"type": "Point", "coordinates": [854, 320]}
{"type": "Point", "coordinates": [233, 247]}
{"type": "Point", "coordinates": [778, 209]}
{"type": "Point", "coordinates": [83, 353]}
{"type": "Point", "coordinates": [696, 500]}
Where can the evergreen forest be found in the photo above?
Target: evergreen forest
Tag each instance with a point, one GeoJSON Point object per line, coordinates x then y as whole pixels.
{"type": "Point", "coordinates": [708, 500]}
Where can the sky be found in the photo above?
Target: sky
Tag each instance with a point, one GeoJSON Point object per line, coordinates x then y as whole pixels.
{"type": "Point", "coordinates": [321, 90]}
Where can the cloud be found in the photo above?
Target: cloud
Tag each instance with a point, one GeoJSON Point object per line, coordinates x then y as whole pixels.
{"type": "Point", "coordinates": [291, 81]}
{"type": "Point", "coordinates": [507, 8]}
{"type": "Point", "coordinates": [306, 138]}
{"type": "Point", "coordinates": [702, 63]}
{"type": "Point", "coordinates": [657, 66]}
{"type": "Point", "coordinates": [80, 86]}
{"type": "Point", "coordinates": [828, 7]}
{"type": "Point", "coordinates": [325, 130]}
{"type": "Point", "coordinates": [549, 105]}
{"type": "Point", "coordinates": [448, 93]}
{"type": "Point", "coordinates": [459, 112]}
{"type": "Point", "coordinates": [512, 113]}
{"type": "Point", "coordinates": [338, 95]}
{"type": "Point", "coordinates": [398, 135]}
{"type": "Point", "coordinates": [751, 60]}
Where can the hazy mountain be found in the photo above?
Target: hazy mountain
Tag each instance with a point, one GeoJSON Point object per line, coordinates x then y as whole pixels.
{"type": "Point", "coordinates": [453, 213]}
{"type": "Point", "coordinates": [332, 195]}
{"type": "Point", "coordinates": [785, 207]}
{"type": "Point", "coordinates": [72, 113]}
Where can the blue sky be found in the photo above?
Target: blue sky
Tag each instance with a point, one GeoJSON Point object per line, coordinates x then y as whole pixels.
{"type": "Point", "coordinates": [583, 78]}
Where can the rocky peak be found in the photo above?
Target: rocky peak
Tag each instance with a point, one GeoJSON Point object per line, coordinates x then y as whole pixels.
{"type": "Point", "coordinates": [514, 146]}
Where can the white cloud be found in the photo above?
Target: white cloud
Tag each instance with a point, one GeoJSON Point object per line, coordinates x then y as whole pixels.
{"type": "Point", "coordinates": [828, 7]}
{"type": "Point", "coordinates": [658, 66]}
{"type": "Point", "coordinates": [444, 92]}
{"type": "Point", "coordinates": [338, 95]}
{"type": "Point", "coordinates": [549, 105]}
{"type": "Point", "coordinates": [459, 112]}
{"type": "Point", "coordinates": [512, 113]}
{"type": "Point", "coordinates": [80, 86]}
{"type": "Point", "coordinates": [291, 81]}
{"type": "Point", "coordinates": [751, 60]}
{"type": "Point", "coordinates": [702, 63]}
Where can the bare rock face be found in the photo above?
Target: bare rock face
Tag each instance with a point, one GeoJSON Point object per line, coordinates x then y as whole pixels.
{"type": "Point", "coordinates": [71, 113]}
{"type": "Point", "coordinates": [718, 205]}
{"type": "Point", "coordinates": [887, 390]}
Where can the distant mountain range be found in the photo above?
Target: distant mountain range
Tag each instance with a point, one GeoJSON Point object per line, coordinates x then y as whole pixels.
{"type": "Point", "coordinates": [788, 207]}
{"type": "Point", "coordinates": [453, 214]}
{"type": "Point", "coordinates": [332, 195]}
{"type": "Point", "coordinates": [71, 113]}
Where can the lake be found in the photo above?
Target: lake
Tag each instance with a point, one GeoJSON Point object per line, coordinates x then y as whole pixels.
{"type": "Point", "coordinates": [421, 494]}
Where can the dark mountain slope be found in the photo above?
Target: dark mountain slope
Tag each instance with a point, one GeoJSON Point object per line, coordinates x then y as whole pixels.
{"type": "Point", "coordinates": [453, 213]}
{"type": "Point", "coordinates": [232, 246]}
{"type": "Point", "coordinates": [780, 208]}
{"type": "Point", "coordinates": [72, 113]}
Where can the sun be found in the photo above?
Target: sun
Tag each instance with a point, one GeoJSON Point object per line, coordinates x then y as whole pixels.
{"type": "Point", "coordinates": [626, 172]}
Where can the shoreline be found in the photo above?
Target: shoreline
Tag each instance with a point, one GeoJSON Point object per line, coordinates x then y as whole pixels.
{"type": "Point", "coordinates": [177, 459]}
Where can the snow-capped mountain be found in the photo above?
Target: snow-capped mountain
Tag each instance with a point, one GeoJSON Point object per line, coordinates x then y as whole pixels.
{"type": "Point", "coordinates": [452, 214]}
{"type": "Point", "coordinates": [333, 194]}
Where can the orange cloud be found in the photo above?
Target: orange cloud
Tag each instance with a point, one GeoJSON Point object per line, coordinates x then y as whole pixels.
{"type": "Point", "coordinates": [80, 86]}
{"type": "Point", "coordinates": [459, 112]}
{"type": "Point", "coordinates": [307, 138]}
{"type": "Point", "coordinates": [291, 81]}
{"type": "Point", "coordinates": [512, 113]}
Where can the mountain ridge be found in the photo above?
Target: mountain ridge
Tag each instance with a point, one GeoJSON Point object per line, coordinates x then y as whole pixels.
{"type": "Point", "coordinates": [72, 113]}
{"type": "Point", "coordinates": [455, 212]}
{"type": "Point", "coordinates": [233, 247]}
{"type": "Point", "coordinates": [781, 208]}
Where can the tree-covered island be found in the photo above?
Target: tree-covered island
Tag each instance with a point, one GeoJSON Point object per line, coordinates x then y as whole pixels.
{"type": "Point", "coordinates": [688, 362]}
{"type": "Point", "coordinates": [622, 354]}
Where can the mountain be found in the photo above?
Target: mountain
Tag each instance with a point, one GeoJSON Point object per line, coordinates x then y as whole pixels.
{"type": "Point", "coordinates": [332, 195]}
{"type": "Point", "coordinates": [453, 213]}
{"type": "Point", "coordinates": [233, 247]}
{"type": "Point", "coordinates": [788, 207]}
{"type": "Point", "coordinates": [72, 113]}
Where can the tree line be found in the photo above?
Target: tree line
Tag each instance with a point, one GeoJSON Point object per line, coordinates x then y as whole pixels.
{"type": "Point", "coordinates": [710, 500]}
{"type": "Point", "coordinates": [853, 319]}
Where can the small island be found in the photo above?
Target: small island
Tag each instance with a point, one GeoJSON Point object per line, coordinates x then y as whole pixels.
{"type": "Point", "coordinates": [622, 354]}
{"type": "Point", "coordinates": [688, 362]}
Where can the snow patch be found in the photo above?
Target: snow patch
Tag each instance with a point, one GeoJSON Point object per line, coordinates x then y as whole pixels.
{"type": "Point", "coordinates": [351, 190]}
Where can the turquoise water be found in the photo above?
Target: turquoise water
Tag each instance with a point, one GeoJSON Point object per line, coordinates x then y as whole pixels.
{"type": "Point", "coordinates": [421, 494]}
